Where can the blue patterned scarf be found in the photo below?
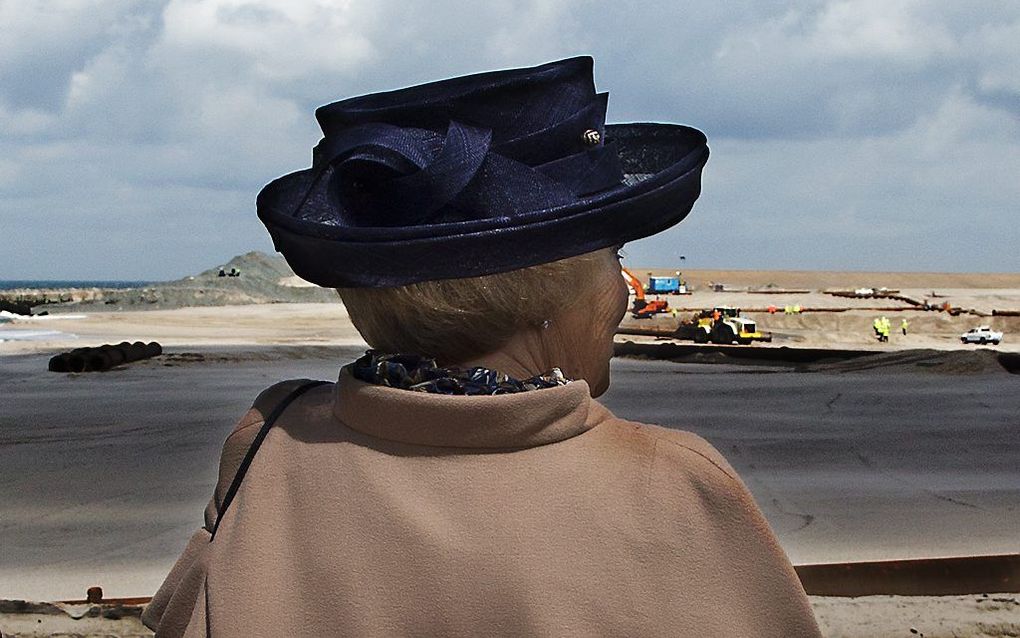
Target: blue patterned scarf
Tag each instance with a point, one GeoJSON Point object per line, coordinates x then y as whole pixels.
{"type": "Point", "coordinates": [421, 374]}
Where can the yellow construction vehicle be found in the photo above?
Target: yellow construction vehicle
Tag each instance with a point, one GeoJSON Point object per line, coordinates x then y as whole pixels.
{"type": "Point", "coordinates": [721, 325]}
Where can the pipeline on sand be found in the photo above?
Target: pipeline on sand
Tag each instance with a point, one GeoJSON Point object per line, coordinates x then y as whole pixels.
{"type": "Point", "coordinates": [103, 357]}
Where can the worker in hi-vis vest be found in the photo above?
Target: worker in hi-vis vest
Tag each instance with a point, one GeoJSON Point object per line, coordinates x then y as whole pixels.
{"type": "Point", "coordinates": [883, 329]}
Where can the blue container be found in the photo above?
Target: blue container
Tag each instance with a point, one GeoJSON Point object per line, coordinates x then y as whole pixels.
{"type": "Point", "coordinates": [662, 285]}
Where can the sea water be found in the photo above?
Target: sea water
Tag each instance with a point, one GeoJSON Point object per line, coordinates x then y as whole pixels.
{"type": "Point", "coordinates": [7, 334]}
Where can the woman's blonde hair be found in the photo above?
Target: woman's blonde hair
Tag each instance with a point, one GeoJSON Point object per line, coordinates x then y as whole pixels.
{"type": "Point", "coordinates": [454, 320]}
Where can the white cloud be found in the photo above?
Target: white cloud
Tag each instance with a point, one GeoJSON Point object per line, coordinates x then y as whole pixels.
{"type": "Point", "coordinates": [542, 28]}
{"type": "Point", "coordinates": [44, 42]}
{"type": "Point", "coordinates": [837, 127]}
{"type": "Point", "coordinates": [888, 30]}
{"type": "Point", "coordinates": [940, 195]}
{"type": "Point", "coordinates": [40, 29]}
{"type": "Point", "coordinates": [997, 46]}
{"type": "Point", "coordinates": [269, 41]}
{"type": "Point", "coordinates": [25, 122]}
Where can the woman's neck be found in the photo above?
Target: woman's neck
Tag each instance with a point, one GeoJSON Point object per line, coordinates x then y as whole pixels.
{"type": "Point", "coordinates": [525, 355]}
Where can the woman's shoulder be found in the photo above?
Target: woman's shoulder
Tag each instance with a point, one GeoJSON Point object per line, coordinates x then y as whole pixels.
{"type": "Point", "coordinates": [268, 399]}
{"type": "Point", "coordinates": [243, 435]}
{"type": "Point", "coordinates": [673, 444]}
{"type": "Point", "coordinates": [262, 407]}
{"type": "Point", "coordinates": [683, 469]}
{"type": "Point", "coordinates": [673, 450]}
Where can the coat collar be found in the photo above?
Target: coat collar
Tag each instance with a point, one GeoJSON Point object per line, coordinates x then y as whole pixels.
{"type": "Point", "coordinates": [519, 420]}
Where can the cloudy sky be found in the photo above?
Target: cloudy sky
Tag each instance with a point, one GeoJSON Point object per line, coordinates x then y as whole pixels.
{"type": "Point", "coordinates": [869, 135]}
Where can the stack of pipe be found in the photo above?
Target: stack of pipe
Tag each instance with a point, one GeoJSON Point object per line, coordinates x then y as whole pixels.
{"type": "Point", "coordinates": [104, 357]}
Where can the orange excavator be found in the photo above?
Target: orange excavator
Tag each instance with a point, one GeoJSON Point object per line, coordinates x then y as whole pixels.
{"type": "Point", "coordinates": [643, 308]}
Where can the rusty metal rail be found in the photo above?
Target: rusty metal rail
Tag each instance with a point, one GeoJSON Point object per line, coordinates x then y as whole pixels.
{"type": "Point", "coordinates": [916, 577]}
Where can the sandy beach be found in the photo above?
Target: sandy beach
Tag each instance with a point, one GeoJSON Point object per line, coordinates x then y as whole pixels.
{"type": "Point", "coordinates": [250, 324]}
{"type": "Point", "coordinates": [328, 324]}
{"type": "Point", "coordinates": [210, 310]}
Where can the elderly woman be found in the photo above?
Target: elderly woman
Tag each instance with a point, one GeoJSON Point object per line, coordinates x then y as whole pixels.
{"type": "Point", "coordinates": [460, 479]}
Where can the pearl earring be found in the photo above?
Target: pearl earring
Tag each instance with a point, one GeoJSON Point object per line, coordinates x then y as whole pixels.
{"type": "Point", "coordinates": [545, 324]}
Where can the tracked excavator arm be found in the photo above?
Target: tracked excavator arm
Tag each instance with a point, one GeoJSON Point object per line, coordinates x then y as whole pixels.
{"type": "Point", "coordinates": [642, 308]}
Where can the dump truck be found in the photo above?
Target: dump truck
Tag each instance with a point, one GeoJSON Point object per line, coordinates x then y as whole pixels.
{"type": "Point", "coordinates": [720, 325]}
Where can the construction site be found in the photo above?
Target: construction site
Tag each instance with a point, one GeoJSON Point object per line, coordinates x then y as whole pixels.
{"type": "Point", "coordinates": [820, 310]}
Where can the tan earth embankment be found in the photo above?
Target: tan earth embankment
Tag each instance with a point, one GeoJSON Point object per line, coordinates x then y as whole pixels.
{"type": "Point", "coordinates": [853, 330]}
{"type": "Point", "coordinates": [822, 279]}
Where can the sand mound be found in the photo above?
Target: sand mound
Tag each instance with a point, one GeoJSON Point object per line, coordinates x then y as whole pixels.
{"type": "Point", "coordinates": [262, 278]}
{"type": "Point", "coordinates": [954, 362]}
{"type": "Point", "coordinates": [295, 282]}
{"type": "Point", "coordinates": [832, 361]}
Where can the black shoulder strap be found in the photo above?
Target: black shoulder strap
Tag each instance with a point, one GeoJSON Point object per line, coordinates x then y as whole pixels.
{"type": "Point", "coordinates": [256, 443]}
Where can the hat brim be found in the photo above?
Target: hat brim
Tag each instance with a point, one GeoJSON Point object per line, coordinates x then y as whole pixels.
{"type": "Point", "coordinates": [662, 165]}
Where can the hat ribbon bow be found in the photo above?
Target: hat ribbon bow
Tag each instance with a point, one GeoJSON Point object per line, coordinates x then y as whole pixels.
{"type": "Point", "coordinates": [407, 172]}
{"type": "Point", "coordinates": [389, 175]}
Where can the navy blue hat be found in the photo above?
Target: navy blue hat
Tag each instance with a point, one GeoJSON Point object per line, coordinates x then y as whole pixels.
{"type": "Point", "coordinates": [477, 175]}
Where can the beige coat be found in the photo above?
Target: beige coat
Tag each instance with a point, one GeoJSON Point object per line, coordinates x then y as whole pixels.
{"type": "Point", "coordinates": [372, 511]}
